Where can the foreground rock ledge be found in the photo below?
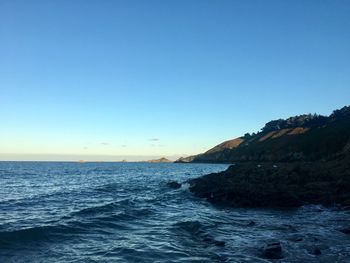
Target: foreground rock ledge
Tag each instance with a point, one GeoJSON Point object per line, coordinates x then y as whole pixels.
{"type": "Point", "coordinates": [278, 185]}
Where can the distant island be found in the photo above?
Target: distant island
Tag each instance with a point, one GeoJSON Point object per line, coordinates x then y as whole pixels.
{"type": "Point", "coordinates": [160, 160]}
{"type": "Point", "coordinates": [299, 160]}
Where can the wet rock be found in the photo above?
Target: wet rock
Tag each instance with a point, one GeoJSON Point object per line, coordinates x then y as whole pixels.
{"type": "Point", "coordinates": [219, 243]}
{"type": "Point", "coordinates": [197, 232]}
{"type": "Point", "coordinates": [250, 184]}
{"type": "Point", "coordinates": [273, 250]}
{"type": "Point", "coordinates": [174, 184]}
{"type": "Point", "coordinates": [345, 230]}
{"type": "Point", "coordinates": [316, 251]}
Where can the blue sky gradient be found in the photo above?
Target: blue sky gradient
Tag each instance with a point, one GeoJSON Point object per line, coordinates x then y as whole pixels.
{"type": "Point", "coordinates": [154, 78]}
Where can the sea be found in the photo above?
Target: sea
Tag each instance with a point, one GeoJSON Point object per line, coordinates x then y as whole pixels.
{"type": "Point", "coordinates": [126, 212]}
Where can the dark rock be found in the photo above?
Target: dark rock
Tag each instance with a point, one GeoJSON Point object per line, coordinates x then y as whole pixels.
{"type": "Point", "coordinates": [174, 185]}
{"type": "Point", "coordinates": [273, 250]}
{"type": "Point", "coordinates": [345, 230]}
{"type": "Point", "coordinates": [316, 251]}
{"type": "Point", "coordinates": [291, 185]}
{"type": "Point", "coordinates": [219, 243]}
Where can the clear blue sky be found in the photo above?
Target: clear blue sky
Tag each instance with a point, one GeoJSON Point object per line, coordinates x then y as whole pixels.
{"type": "Point", "coordinates": [163, 77]}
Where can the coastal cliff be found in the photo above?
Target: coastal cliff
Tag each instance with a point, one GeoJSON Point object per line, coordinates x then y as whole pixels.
{"type": "Point", "coordinates": [300, 138]}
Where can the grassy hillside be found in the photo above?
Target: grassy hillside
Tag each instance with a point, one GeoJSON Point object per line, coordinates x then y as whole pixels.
{"type": "Point", "coordinates": [300, 138]}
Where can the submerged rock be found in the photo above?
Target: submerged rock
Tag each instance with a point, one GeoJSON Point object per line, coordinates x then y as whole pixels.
{"type": "Point", "coordinates": [316, 251]}
{"type": "Point", "coordinates": [198, 232]}
{"type": "Point", "coordinates": [273, 250]}
{"type": "Point", "coordinates": [219, 243]}
{"type": "Point", "coordinates": [174, 184]}
{"type": "Point", "coordinates": [345, 230]}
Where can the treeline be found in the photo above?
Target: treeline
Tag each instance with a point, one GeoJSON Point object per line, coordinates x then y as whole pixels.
{"type": "Point", "coordinates": [305, 120]}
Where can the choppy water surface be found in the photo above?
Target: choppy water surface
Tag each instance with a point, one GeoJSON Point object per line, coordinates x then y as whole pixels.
{"type": "Point", "coordinates": [124, 212]}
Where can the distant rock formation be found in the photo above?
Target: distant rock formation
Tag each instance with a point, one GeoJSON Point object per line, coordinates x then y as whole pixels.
{"type": "Point", "coordinates": [161, 160]}
{"type": "Point", "coordinates": [186, 159]}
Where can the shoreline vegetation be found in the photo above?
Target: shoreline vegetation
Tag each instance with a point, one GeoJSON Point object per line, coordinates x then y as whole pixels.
{"type": "Point", "coordinates": [289, 163]}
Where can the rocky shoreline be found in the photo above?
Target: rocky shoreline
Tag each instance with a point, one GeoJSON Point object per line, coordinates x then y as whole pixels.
{"type": "Point", "coordinates": [278, 184]}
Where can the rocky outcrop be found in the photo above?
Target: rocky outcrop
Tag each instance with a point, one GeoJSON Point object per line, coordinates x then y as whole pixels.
{"type": "Point", "coordinates": [273, 250]}
{"type": "Point", "coordinates": [345, 230]}
{"type": "Point", "coordinates": [188, 159]}
{"type": "Point", "coordinates": [161, 160]}
{"type": "Point", "coordinates": [174, 185]}
{"type": "Point", "coordinates": [278, 184]}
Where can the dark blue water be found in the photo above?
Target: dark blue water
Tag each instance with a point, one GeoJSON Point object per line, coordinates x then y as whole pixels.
{"type": "Point", "coordinates": [125, 212]}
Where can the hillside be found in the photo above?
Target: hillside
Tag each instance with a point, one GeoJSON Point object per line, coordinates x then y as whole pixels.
{"type": "Point", "coordinates": [300, 160]}
{"type": "Point", "coordinates": [300, 138]}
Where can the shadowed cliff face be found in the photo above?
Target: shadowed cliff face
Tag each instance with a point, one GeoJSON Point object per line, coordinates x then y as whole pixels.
{"type": "Point", "coordinates": [300, 138]}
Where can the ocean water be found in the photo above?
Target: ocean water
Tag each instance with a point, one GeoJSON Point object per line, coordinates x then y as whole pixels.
{"type": "Point", "coordinates": [125, 212]}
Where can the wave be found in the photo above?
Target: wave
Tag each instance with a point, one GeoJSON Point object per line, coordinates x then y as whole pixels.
{"type": "Point", "coordinates": [38, 233]}
{"type": "Point", "coordinates": [112, 187]}
{"type": "Point", "coordinates": [197, 232]}
{"type": "Point", "coordinates": [56, 232]}
{"type": "Point", "coordinates": [97, 209]}
{"type": "Point", "coordinates": [103, 219]}
{"type": "Point", "coordinates": [192, 227]}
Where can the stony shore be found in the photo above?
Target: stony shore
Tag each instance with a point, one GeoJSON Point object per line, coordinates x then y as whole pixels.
{"type": "Point", "coordinates": [278, 184]}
